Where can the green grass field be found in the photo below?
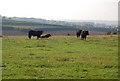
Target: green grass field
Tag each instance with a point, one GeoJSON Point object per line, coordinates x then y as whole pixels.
{"type": "Point", "coordinates": [60, 57]}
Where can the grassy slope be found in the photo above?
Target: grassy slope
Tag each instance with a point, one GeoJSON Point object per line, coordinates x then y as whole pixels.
{"type": "Point", "coordinates": [60, 58]}
{"type": "Point", "coordinates": [29, 27]}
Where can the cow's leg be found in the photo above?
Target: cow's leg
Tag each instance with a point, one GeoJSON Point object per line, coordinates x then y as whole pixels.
{"type": "Point", "coordinates": [29, 36]}
{"type": "Point", "coordinates": [77, 35]}
{"type": "Point", "coordinates": [82, 37]}
{"type": "Point", "coordinates": [38, 37]}
{"type": "Point", "coordinates": [85, 37]}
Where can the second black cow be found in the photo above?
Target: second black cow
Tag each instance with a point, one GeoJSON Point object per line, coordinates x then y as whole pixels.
{"type": "Point", "coordinates": [84, 35]}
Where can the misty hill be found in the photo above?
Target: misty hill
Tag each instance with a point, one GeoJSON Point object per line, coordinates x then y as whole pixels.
{"type": "Point", "coordinates": [95, 21]}
{"type": "Point", "coordinates": [38, 20]}
{"type": "Point", "coordinates": [64, 22]}
{"type": "Point", "coordinates": [23, 25]}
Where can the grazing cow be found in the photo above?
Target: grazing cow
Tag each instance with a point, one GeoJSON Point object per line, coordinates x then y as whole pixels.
{"type": "Point", "coordinates": [34, 33]}
{"type": "Point", "coordinates": [78, 33]}
{"type": "Point", "coordinates": [45, 36]}
{"type": "Point", "coordinates": [84, 34]}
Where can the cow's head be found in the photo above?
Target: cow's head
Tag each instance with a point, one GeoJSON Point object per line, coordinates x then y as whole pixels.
{"type": "Point", "coordinates": [79, 31]}
{"type": "Point", "coordinates": [49, 35]}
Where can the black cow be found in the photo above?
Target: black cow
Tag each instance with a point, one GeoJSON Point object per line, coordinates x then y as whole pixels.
{"type": "Point", "coordinates": [78, 33]}
{"type": "Point", "coordinates": [34, 33]}
{"type": "Point", "coordinates": [45, 36]}
{"type": "Point", "coordinates": [84, 34]}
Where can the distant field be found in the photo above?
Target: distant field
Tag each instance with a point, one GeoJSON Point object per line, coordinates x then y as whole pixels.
{"type": "Point", "coordinates": [28, 27]}
{"type": "Point", "coordinates": [60, 57]}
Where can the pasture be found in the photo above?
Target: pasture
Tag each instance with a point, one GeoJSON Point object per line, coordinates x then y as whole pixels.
{"type": "Point", "coordinates": [60, 57]}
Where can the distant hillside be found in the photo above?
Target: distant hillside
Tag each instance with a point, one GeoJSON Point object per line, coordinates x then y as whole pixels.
{"type": "Point", "coordinates": [23, 25]}
{"type": "Point", "coordinates": [38, 20]}
{"type": "Point", "coordinates": [14, 27]}
{"type": "Point", "coordinates": [64, 22]}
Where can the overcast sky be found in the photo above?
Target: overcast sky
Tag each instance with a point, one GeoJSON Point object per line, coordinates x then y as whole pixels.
{"type": "Point", "coordinates": [61, 9]}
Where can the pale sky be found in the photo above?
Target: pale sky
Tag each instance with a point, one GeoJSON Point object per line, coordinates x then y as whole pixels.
{"type": "Point", "coordinates": [61, 9]}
